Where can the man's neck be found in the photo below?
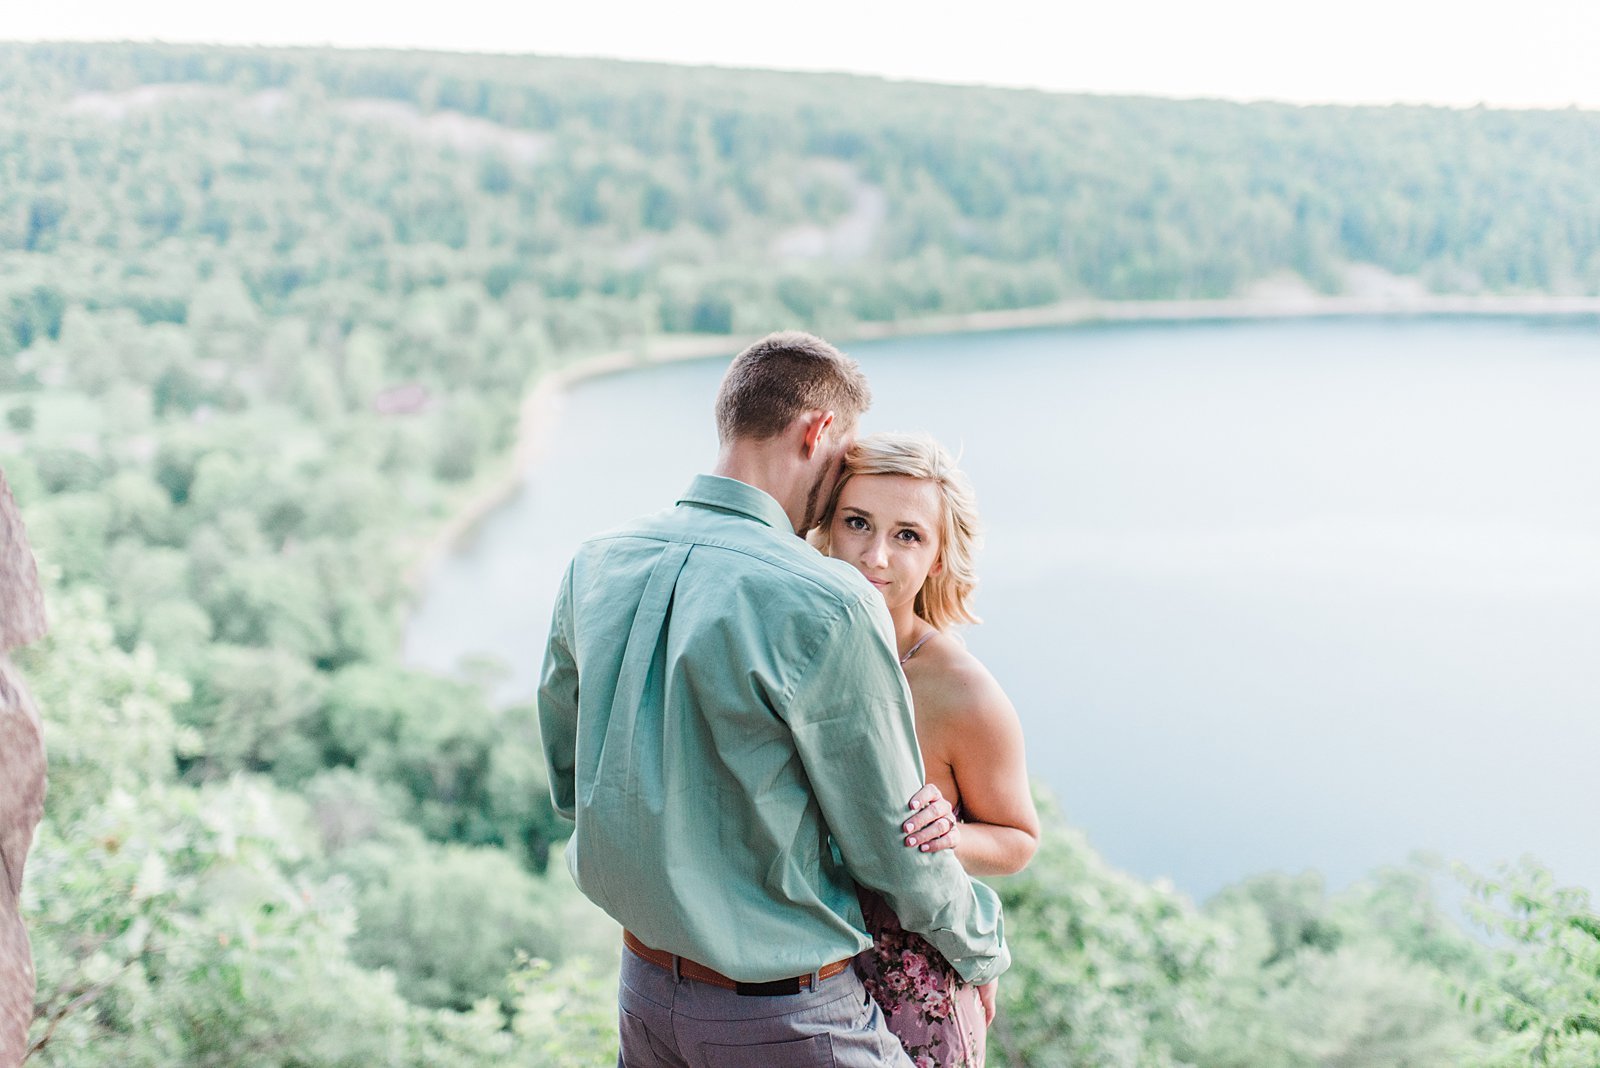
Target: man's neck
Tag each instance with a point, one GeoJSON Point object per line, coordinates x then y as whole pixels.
{"type": "Point", "coordinates": [750, 463]}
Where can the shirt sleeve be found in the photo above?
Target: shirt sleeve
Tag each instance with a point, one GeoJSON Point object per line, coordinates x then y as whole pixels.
{"type": "Point", "coordinates": [851, 717]}
{"type": "Point", "coordinates": [558, 704]}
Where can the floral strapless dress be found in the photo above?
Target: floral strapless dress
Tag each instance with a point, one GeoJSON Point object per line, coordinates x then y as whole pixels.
{"type": "Point", "coordinates": [937, 1017]}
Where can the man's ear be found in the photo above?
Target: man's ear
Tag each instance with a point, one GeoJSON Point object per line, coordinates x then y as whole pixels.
{"type": "Point", "coordinates": [817, 424]}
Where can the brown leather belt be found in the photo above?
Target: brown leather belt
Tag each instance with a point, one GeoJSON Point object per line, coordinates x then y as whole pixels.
{"type": "Point", "coordinates": [685, 968]}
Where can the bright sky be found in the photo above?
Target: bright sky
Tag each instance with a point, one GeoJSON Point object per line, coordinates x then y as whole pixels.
{"type": "Point", "coordinates": [1535, 53]}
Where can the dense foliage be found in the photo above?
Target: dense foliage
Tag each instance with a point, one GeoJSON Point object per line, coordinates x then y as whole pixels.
{"type": "Point", "coordinates": [265, 321]}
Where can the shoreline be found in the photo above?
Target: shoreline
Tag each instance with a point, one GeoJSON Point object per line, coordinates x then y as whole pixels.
{"type": "Point", "coordinates": [1088, 312]}
{"type": "Point", "coordinates": [537, 415]}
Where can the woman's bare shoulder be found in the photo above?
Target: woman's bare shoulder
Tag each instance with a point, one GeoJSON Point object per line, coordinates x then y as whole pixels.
{"type": "Point", "coordinates": [950, 681]}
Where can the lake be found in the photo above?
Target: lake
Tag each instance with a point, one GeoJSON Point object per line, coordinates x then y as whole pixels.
{"type": "Point", "coordinates": [1267, 595]}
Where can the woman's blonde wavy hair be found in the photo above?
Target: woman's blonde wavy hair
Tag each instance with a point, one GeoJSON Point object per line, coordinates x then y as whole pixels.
{"type": "Point", "coordinates": [945, 599]}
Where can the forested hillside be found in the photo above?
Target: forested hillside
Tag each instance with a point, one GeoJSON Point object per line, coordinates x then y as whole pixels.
{"type": "Point", "coordinates": [266, 319]}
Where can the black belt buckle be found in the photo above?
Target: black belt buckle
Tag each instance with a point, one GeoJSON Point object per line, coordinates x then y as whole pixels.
{"type": "Point", "coordinates": [776, 988]}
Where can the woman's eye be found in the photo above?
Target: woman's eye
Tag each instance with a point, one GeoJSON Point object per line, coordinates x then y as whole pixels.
{"type": "Point", "coordinates": [855, 522]}
{"type": "Point", "coordinates": [910, 535]}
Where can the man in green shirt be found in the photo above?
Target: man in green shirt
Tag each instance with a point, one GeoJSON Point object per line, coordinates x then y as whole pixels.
{"type": "Point", "coordinates": [726, 721]}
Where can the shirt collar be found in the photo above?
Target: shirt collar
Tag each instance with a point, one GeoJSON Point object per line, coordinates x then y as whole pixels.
{"type": "Point", "coordinates": [731, 495]}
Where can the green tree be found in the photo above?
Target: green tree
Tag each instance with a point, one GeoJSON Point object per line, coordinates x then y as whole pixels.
{"type": "Point", "coordinates": [1361, 979]}
{"type": "Point", "coordinates": [451, 921]}
{"type": "Point", "coordinates": [110, 724]}
{"type": "Point", "coordinates": [253, 709]}
{"type": "Point", "coordinates": [431, 737]}
{"type": "Point", "coordinates": [1544, 994]}
{"type": "Point", "coordinates": [69, 531]}
{"type": "Point", "coordinates": [1106, 970]}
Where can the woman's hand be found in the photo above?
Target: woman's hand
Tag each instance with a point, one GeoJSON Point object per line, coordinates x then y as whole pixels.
{"type": "Point", "coordinates": [932, 825]}
{"type": "Point", "coordinates": [986, 995]}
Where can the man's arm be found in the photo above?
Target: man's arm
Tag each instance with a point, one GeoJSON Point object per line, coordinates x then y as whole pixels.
{"type": "Point", "coordinates": [853, 727]}
{"type": "Point", "coordinates": [558, 704]}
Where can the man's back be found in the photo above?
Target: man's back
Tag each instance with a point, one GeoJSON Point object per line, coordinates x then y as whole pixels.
{"type": "Point", "coordinates": [719, 700]}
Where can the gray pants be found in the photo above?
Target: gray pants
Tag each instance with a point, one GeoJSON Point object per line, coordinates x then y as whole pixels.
{"type": "Point", "coordinates": [667, 1023]}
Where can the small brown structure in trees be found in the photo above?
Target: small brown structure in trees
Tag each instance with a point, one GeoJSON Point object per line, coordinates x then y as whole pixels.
{"type": "Point", "coordinates": [408, 399]}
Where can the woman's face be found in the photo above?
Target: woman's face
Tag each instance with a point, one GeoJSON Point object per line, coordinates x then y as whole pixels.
{"type": "Point", "coordinates": [888, 527]}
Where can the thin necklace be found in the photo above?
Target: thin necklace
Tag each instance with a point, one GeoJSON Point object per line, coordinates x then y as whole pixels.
{"type": "Point", "coordinates": [912, 651]}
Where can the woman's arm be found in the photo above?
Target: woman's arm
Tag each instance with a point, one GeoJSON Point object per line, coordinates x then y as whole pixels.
{"type": "Point", "coordinates": [966, 722]}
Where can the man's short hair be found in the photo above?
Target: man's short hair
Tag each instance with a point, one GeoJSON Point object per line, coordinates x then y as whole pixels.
{"type": "Point", "coordinates": [783, 376]}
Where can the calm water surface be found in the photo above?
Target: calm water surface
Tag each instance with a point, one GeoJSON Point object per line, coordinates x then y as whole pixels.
{"type": "Point", "coordinates": [1267, 595]}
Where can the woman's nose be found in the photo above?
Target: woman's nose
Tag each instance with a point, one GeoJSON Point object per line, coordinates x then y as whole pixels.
{"type": "Point", "coordinates": [876, 555]}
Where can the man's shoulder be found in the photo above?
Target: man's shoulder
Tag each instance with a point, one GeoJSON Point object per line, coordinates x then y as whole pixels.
{"type": "Point", "coordinates": [652, 527]}
{"type": "Point", "coordinates": [740, 550]}
{"type": "Point", "coordinates": [795, 563]}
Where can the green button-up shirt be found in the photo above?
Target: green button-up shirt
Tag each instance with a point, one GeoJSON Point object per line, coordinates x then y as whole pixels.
{"type": "Point", "coordinates": [725, 719]}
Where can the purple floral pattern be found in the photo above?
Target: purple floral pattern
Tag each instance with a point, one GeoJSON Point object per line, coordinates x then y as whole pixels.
{"type": "Point", "coordinates": [937, 1017]}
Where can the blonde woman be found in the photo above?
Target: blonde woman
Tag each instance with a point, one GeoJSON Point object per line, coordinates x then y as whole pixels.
{"type": "Point", "coordinates": [904, 516]}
